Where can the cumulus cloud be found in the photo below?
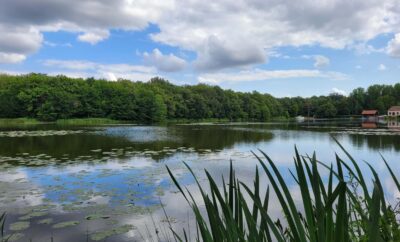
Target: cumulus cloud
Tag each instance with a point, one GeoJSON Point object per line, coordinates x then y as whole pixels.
{"type": "Point", "coordinates": [271, 23]}
{"type": "Point", "coordinates": [23, 22]}
{"type": "Point", "coordinates": [94, 37]}
{"type": "Point", "coordinates": [166, 63]}
{"type": "Point", "coordinates": [260, 75]}
{"type": "Point", "coordinates": [11, 58]}
{"type": "Point", "coordinates": [223, 33]}
{"type": "Point", "coordinates": [112, 72]}
{"type": "Point", "coordinates": [339, 91]}
{"type": "Point", "coordinates": [393, 48]}
{"type": "Point", "coordinates": [219, 54]}
{"type": "Point", "coordinates": [319, 60]}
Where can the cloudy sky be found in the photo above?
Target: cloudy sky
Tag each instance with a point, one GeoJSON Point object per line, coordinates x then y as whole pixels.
{"type": "Point", "coordinates": [283, 47]}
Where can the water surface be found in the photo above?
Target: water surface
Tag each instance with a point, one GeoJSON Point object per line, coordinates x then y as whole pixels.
{"type": "Point", "coordinates": [106, 183]}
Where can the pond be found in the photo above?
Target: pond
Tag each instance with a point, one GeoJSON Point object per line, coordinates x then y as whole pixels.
{"type": "Point", "coordinates": [70, 183]}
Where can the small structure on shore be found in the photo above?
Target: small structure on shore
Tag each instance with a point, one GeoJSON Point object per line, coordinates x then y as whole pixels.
{"type": "Point", "coordinates": [394, 111]}
{"type": "Point", "coordinates": [370, 113]}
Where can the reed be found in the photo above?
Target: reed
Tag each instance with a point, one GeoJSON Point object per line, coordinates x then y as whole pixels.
{"type": "Point", "coordinates": [343, 208]}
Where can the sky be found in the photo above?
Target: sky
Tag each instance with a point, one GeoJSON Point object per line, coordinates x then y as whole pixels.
{"type": "Point", "coordinates": [282, 47]}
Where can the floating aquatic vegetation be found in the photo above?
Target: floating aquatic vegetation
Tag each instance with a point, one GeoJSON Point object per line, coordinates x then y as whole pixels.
{"type": "Point", "coordinates": [97, 216]}
{"type": "Point", "coordinates": [33, 215]}
{"type": "Point", "coordinates": [65, 224]}
{"type": "Point", "coordinates": [26, 133]}
{"type": "Point", "coordinates": [159, 191]}
{"type": "Point", "coordinates": [45, 221]}
{"type": "Point", "coordinates": [361, 131]}
{"type": "Point", "coordinates": [100, 235]}
{"type": "Point", "coordinates": [17, 226]}
{"type": "Point", "coordinates": [14, 237]}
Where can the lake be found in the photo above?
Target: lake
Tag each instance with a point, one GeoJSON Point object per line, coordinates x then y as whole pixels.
{"type": "Point", "coordinates": [105, 183]}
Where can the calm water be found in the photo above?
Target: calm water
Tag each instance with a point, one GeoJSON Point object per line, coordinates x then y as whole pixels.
{"type": "Point", "coordinates": [106, 183]}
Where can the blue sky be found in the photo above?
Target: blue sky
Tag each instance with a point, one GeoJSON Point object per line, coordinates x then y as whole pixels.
{"type": "Point", "coordinates": [284, 48]}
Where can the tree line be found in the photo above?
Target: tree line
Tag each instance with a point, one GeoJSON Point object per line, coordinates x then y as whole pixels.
{"type": "Point", "coordinates": [49, 98]}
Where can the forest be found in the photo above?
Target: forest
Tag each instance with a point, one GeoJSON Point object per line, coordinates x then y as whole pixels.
{"type": "Point", "coordinates": [50, 98]}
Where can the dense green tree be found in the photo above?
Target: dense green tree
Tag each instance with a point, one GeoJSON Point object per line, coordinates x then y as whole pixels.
{"type": "Point", "coordinates": [58, 97]}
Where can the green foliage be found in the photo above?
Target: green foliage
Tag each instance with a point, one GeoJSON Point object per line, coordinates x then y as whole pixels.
{"type": "Point", "coordinates": [330, 210]}
{"type": "Point", "coordinates": [380, 97]}
{"type": "Point", "coordinates": [49, 98]}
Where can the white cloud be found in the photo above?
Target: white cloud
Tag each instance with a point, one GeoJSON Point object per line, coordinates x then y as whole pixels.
{"type": "Point", "coordinates": [219, 54]}
{"type": "Point", "coordinates": [382, 67]}
{"type": "Point", "coordinates": [52, 44]}
{"type": "Point", "coordinates": [222, 33]}
{"type": "Point", "coordinates": [259, 75]}
{"type": "Point", "coordinates": [358, 67]}
{"type": "Point", "coordinates": [271, 23]}
{"type": "Point", "coordinates": [166, 63]}
{"type": "Point", "coordinates": [339, 91]}
{"type": "Point", "coordinates": [112, 72]}
{"type": "Point", "coordinates": [319, 60]}
{"type": "Point", "coordinates": [393, 48]}
{"type": "Point", "coordinates": [94, 37]}
{"type": "Point", "coordinates": [23, 22]}
{"type": "Point", "coordinates": [365, 49]}
{"type": "Point", "coordinates": [11, 58]}
{"type": "Point", "coordinates": [18, 42]}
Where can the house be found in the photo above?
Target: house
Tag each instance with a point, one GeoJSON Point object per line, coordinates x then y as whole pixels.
{"type": "Point", "coordinates": [369, 113]}
{"type": "Point", "coordinates": [394, 111]}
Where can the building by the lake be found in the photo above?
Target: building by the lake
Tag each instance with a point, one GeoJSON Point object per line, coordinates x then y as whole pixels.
{"type": "Point", "coordinates": [370, 113]}
{"type": "Point", "coordinates": [394, 111]}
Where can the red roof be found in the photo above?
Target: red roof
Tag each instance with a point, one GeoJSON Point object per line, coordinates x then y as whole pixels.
{"type": "Point", "coordinates": [369, 112]}
{"type": "Point", "coordinates": [394, 108]}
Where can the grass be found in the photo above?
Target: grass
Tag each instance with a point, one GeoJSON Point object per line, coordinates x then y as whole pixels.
{"type": "Point", "coordinates": [78, 121]}
{"type": "Point", "coordinates": [343, 209]}
{"type": "Point", "coordinates": [19, 121]}
{"type": "Point", "coordinates": [88, 121]}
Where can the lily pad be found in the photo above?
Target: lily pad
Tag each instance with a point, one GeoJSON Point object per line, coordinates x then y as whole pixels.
{"type": "Point", "coordinates": [33, 215]}
{"type": "Point", "coordinates": [14, 237]}
{"type": "Point", "coordinates": [65, 224]}
{"type": "Point", "coordinates": [45, 221]}
{"type": "Point", "coordinates": [19, 226]}
{"type": "Point", "coordinates": [97, 216]}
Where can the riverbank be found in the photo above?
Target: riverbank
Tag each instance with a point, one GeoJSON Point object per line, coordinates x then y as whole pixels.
{"type": "Point", "coordinates": [82, 121]}
{"type": "Point", "coordinates": [107, 121]}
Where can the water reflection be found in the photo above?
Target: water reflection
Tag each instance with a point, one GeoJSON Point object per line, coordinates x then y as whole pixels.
{"type": "Point", "coordinates": [107, 177]}
{"type": "Point", "coordinates": [369, 125]}
{"type": "Point", "coordinates": [134, 138]}
{"type": "Point", "coordinates": [394, 125]}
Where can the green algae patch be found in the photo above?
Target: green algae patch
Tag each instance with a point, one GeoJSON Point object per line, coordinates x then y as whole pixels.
{"type": "Point", "coordinates": [65, 224]}
{"type": "Point", "coordinates": [100, 235]}
{"type": "Point", "coordinates": [18, 226]}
